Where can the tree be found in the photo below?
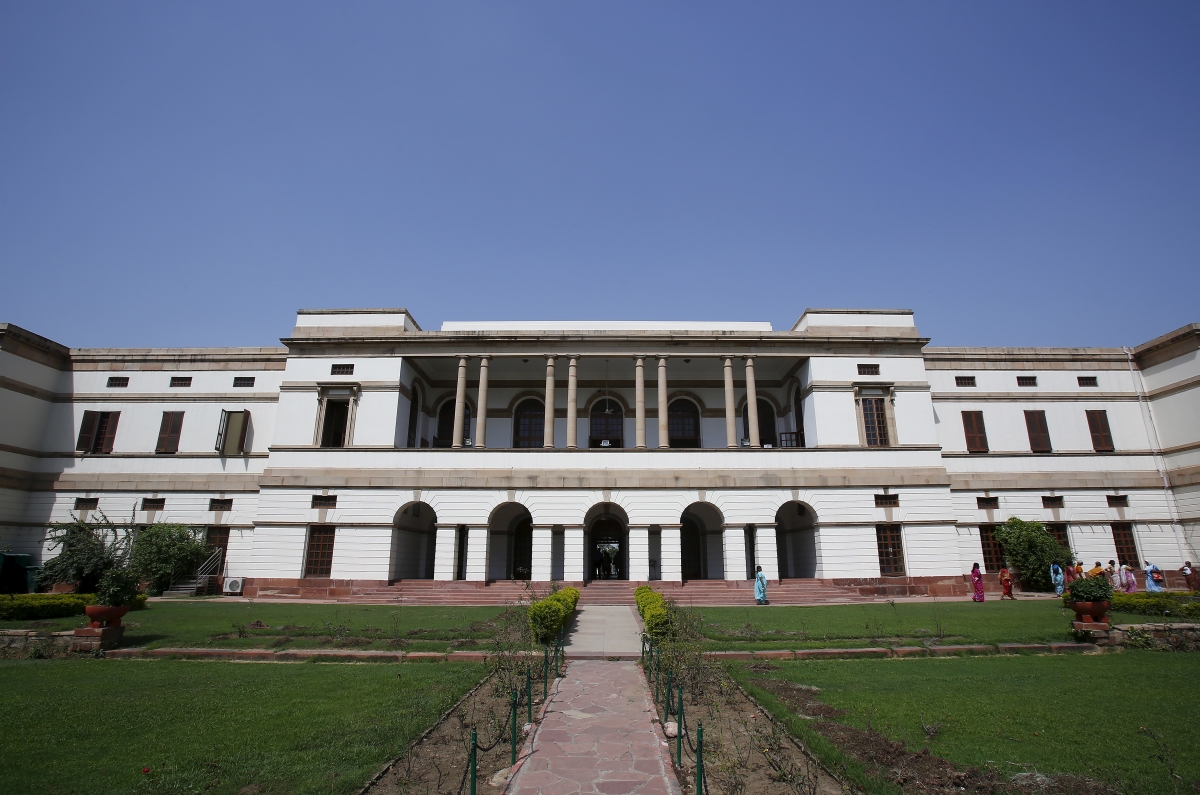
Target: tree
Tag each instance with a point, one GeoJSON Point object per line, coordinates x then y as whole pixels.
{"type": "Point", "coordinates": [1030, 549]}
{"type": "Point", "coordinates": [86, 552]}
{"type": "Point", "coordinates": [164, 552]}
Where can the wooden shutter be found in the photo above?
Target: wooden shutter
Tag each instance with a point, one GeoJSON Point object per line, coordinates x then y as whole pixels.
{"type": "Point", "coordinates": [1039, 433]}
{"type": "Point", "coordinates": [891, 550]}
{"type": "Point", "coordinates": [993, 554]}
{"type": "Point", "coordinates": [168, 432]}
{"type": "Point", "coordinates": [110, 431]}
{"type": "Point", "coordinates": [319, 558]}
{"type": "Point", "coordinates": [976, 433]}
{"type": "Point", "coordinates": [221, 430]}
{"type": "Point", "coordinates": [1102, 441]}
{"type": "Point", "coordinates": [241, 448]}
{"type": "Point", "coordinates": [87, 431]}
{"type": "Point", "coordinates": [1127, 554]}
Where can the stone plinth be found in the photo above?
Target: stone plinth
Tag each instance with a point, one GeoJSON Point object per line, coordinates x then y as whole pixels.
{"type": "Point", "coordinates": [92, 638]}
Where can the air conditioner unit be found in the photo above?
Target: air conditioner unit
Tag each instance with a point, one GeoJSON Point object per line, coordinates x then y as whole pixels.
{"type": "Point", "coordinates": [234, 585]}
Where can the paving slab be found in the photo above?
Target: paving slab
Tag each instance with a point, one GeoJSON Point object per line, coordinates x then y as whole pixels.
{"type": "Point", "coordinates": [601, 631]}
{"type": "Point", "coordinates": [597, 737]}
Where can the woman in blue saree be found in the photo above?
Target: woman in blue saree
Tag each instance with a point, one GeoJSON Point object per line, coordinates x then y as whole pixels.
{"type": "Point", "coordinates": [760, 586]}
{"type": "Point", "coordinates": [1155, 579]}
{"type": "Point", "coordinates": [1057, 578]}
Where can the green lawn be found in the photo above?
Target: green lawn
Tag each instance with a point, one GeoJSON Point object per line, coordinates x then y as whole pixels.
{"type": "Point", "coordinates": [86, 726]}
{"type": "Point", "coordinates": [907, 623]}
{"type": "Point", "coordinates": [1056, 714]}
{"type": "Point", "coordinates": [211, 623]}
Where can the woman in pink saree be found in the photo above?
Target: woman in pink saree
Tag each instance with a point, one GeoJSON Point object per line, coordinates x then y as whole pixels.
{"type": "Point", "coordinates": [977, 583]}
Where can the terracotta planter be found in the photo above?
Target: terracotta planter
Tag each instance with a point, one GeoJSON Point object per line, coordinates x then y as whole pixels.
{"type": "Point", "coordinates": [1095, 612]}
{"type": "Point", "coordinates": [102, 616]}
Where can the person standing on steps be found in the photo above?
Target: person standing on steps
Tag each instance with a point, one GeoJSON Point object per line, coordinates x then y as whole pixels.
{"type": "Point", "coordinates": [1155, 579]}
{"type": "Point", "coordinates": [760, 586]}
{"type": "Point", "coordinates": [977, 583]}
{"type": "Point", "coordinates": [1189, 575]}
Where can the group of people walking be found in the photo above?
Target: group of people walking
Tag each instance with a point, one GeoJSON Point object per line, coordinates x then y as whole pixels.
{"type": "Point", "coordinates": [1123, 578]}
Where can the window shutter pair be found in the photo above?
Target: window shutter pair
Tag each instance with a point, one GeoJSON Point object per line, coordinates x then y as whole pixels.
{"type": "Point", "coordinates": [168, 432]}
{"type": "Point", "coordinates": [976, 433]}
{"type": "Point", "coordinates": [1102, 441]}
{"type": "Point", "coordinates": [97, 432]}
{"type": "Point", "coordinates": [231, 435]}
{"type": "Point", "coordinates": [1039, 432]}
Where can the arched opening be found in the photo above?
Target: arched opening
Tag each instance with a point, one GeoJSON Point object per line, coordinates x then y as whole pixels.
{"type": "Point", "coordinates": [414, 412]}
{"type": "Point", "coordinates": [683, 423]}
{"type": "Point", "coordinates": [529, 423]}
{"type": "Point", "coordinates": [445, 424]}
{"type": "Point", "coordinates": [606, 543]}
{"type": "Point", "coordinates": [510, 543]}
{"type": "Point", "coordinates": [796, 540]}
{"type": "Point", "coordinates": [701, 550]}
{"type": "Point", "coordinates": [607, 426]}
{"type": "Point", "coordinates": [766, 423]}
{"type": "Point", "coordinates": [414, 537]}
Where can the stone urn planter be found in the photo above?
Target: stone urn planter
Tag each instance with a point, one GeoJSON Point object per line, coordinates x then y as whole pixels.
{"type": "Point", "coordinates": [104, 616]}
{"type": "Point", "coordinates": [1093, 612]}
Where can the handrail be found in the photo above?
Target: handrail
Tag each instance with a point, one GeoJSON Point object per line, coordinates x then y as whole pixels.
{"type": "Point", "coordinates": [212, 565]}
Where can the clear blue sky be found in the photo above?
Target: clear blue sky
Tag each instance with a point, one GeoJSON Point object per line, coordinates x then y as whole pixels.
{"type": "Point", "coordinates": [192, 173]}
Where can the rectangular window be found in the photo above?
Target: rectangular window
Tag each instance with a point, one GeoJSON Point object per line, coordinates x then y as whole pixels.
{"type": "Point", "coordinates": [97, 432]}
{"type": "Point", "coordinates": [983, 503]}
{"type": "Point", "coordinates": [964, 380]}
{"type": "Point", "coordinates": [887, 500]}
{"type": "Point", "coordinates": [891, 551]}
{"type": "Point", "coordinates": [168, 433]}
{"type": "Point", "coordinates": [1118, 501]}
{"type": "Point", "coordinates": [118, 381]}
{"type": "Point", "coordinates": [976, 433]}
{"type": "Point", "coordinates": [875, 421]}
{"type": "Point", "coordinates": [1102, 441]}
{"type": "Point", "coordinates": [318, 560]}
{"type": "Point", "coordinates": [324, 500]}
{"type": "Point", "coordinates": [154, 503]}
{"type": "Point", "coordinates": [220, 504]}
{"type": "Point", "coordinates": [1087, 380]}
{"type": "Point", "coordinates": [231, 433]}
{"type": "Point", "coordinates": [181, 380]}
{"type": "Point", "coordinates": [341, 369]}
{"type": "Point", "coordinates": [993, 554]}
{"type": "Point", "coordinates": [1059, 532]}
{"type": "Point", "coordinates": [1127, 554]}
{"type": "Point", "coordinates": [243, 380]}
{"type": "Point", "coordinates": [1027, 380]}
{"type": "Point", "coordinates": [87, 503]}
{"type": "Point", "coordinates": [337, 418]}
{"type": "Point", "coordinates": [1052, 502]}
{"type": "Point", "coordinates": [868, 369]}
{"type": "Point", "coordinates": [1039, 432]}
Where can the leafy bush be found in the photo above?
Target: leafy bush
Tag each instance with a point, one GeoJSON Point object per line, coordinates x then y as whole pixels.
{"type": "Point", "coordinates": [1089, 589]}
{"type": "Point", "coordinates": [1155, 604]}
{"type": "Point", "coordinates": [653, 609]}
{"type": "Point", "coordinates": [118, 588]}
{"type": "Point", "coordinates": [1030, 549]}
{"type": "Point", "coordinates": [568, 596]}
{"type": "Point", "coordinates": [163, 552]}
{"type": "Point", "coordinates": [546, 618]}
{"type": "Point", "coordinates": [86, 552]}
{"type": "Point", "coordinates": [34, 606]}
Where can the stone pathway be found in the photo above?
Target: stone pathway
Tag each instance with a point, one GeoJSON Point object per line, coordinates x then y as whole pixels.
{"type": "Point", "coordinates": [600, 631]}
{"type": "Point", "coordinates": [597, 737]}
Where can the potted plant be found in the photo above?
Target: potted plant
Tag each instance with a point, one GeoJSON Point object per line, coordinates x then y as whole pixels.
{"type": "Point", "coordinates": [116, 593]}
{"type": "Point", "coordinates": [1090, 598]}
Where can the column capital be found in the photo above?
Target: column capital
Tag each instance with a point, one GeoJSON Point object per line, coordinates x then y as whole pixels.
{"type": "Point", "coordinates": [484, 356]}
{"type": "Point", "coordinates": [663, 355]}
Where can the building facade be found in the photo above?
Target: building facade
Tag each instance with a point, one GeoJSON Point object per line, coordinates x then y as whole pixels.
{"type": "Point", "coordinates": [367, 451]}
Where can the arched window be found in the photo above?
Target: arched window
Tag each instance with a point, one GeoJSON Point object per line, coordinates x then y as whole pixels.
{"type": "Point", "coordinates": [414, 411]}
{"type": "Point", "coordinates": [683, 423]}
{"type": "Point", "coordinates": [607, 424]}
{"type": "Point", "coordinates": [529, 424]}
{"type": "Point", "coordinates": [445, 428]}
{"type": "Point", "coordinates": [766, 422]}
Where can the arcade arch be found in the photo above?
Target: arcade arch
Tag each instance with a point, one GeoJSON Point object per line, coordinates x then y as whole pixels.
{"type": "Point", "coordinates": [701, 549]}
{"type": "Point", "coordinates": [606, 543]}
{"type": "Point", "coordinates": [510, 542]}
{"type": "Point", "coordinates": [414, 536]}
{"type": "Point", "coordinates": [796, 540]}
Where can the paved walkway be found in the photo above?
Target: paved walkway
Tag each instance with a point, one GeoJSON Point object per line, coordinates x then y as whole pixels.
{"type": "Point", "coordinates": [597, 738]}
{"type": "Point", "coordinates": [604, 631]}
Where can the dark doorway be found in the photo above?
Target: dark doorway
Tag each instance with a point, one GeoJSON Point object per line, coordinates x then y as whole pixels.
{"type": "Point", "coordinates": [692, 548]}
{"type": "Point", "coordinates": [445, 425]}
{"type": "Point", "coordinates": [607, 424]}
{"type": "Point", "coordinates": [766, 423]}
{"type": "Point", "coordinates": [529, 424]}
{"type": "Point", "coordinates": [522, 549]}
{"type": "Point", "coordinates": [683, 423]}
{"type": "Point", "coordinates": [607, 554]}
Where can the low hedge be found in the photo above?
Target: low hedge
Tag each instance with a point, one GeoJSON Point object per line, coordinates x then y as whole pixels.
{"type": "Point", "coordinates": [1180, 605]}
{"type": "Point", "coordinates": [548, 616]}
{"type": "Point", "coordinates": [653, 609]}
{"type": "Point", "coordinates": [36, 606]}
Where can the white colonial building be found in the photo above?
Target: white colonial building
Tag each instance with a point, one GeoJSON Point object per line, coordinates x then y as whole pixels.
{"type": "Point", "coordinates": [367, 453]}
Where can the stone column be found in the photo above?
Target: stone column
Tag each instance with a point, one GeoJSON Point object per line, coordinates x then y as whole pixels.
{"type": "Point", "coordinates": [573, 553]}
{"type": "Point", "coordinates": [639, 554]}
{"type": "Point", "coordinates": [549, 430]}
{"type": "Point", "coordinates": [481, 403]}
{"type": "Point", "coordinates": [733, 545]}
{"type": "Point", "coordinates": [540, 566]}
{"type": "Point", "coordinates": [572, 403]}
{"type": "Point", "coordinates": [477, 553]}
{"type": "Point", "coordinates": [664, 439]}
{"type": "Point", "coordinates": [445, 552]}
{"type": "Point", "coordinates": [670, 563]}
{"type": "Point", "coordinates": [639, 396]}
{"type": "Point", "coordinates": [766, 552]}
{"type": "Point", "coordinates": [752, 403]}
{"type": "Point", "coordinates": [460, 403]}
{"type": "Point", "coordinates": [730, 407]}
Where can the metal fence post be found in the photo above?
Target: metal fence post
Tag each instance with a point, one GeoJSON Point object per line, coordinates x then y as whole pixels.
{"type": "Point", "coordinates": [700, 759]}
{"type": "Point", "coordinates": [545, 675]}
{"type": "Point", "coordinates": [667, 699]}
{"type": "Point", "coordinates": [679, 729]}
{"type": "Point", "coordinates": [528, 696]}
{"type": "Point", "coordinates": [474, 741]}
{"type": "Point", "coordinates": [513, 745]}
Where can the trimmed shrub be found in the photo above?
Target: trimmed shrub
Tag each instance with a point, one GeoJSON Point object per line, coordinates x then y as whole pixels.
{"type": "Point", "coordinates": [640, 595]}
{"type": "Point", "coordinates": [546, 618]}
{"type": "Point", "coordinates": [1155, 604]}
{"type": "Point", "coordinates": [653, 609]}
{"type": "Point", "coordinates": [34, 606]}
{"type": "Point", "coordinates": [1089, 589]}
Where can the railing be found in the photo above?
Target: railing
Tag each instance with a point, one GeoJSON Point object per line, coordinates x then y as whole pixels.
{"type": "Point", "coordinates": [213, 565]}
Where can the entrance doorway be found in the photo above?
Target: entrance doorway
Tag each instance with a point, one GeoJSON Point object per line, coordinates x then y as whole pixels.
{"type": "Point", "coordinates": [608, 541]}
